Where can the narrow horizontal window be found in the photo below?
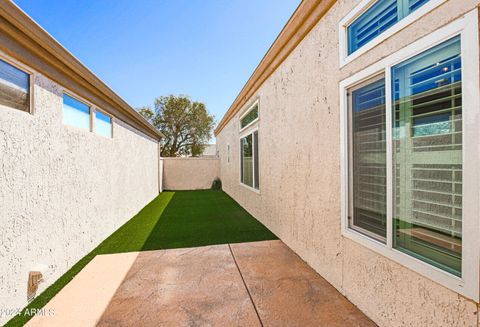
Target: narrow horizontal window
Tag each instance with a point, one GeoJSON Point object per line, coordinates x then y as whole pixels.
{"type": "Point", "coordinates": [75, 113]}
{"type": "Point", "coordinates": [379, 17]}
{"type": "Point", "coordinates": [367, 164]}
{"type": "Point", "coordinates": [250, 117]}
{"type": "Point", "coordinates": [14, 87]}
{"type": "Point", "coordinates": [103, 124]}
{"type": "Point", "coordinates": [427, 156]}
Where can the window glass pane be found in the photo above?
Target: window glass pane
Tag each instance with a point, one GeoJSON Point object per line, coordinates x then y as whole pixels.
{"type": "Point", "coordinates": [427, 149]}
{"type": "Point", "coordinates": [370, 24]}
{"type": "Point", "coordinates": [367, 212]}
{"type": "Point", "coordinates": [378, 18]}
{"type": "Point", "coordinates": [103, 124]}
{"type": "Point", "coordinates": [415, 4]}
{"type": "Point", "coordinates": [251, 116]}
{"type": "Point", "coordinates": [14, 87]}
{"type": "Point", "coordinates": [255, 145]}
{"type": "Point", "coordinates": [76, 113]}
{"type": "Point", "coordinates": [247, 160]}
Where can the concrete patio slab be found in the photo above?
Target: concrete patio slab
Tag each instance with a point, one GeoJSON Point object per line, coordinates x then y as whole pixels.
{"type": "Point", "coordinates": [82, 301]}
{"type": "Point", "coordinates": [184, 287]}
{"type": "Point", "coordinates": [287, 292]}
{"type": "Point", "coordinates": [246, 284]}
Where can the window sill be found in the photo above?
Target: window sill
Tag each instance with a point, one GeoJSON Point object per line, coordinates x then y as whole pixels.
{"type": "Point", "coordinates": [408, 262]}
{"type": "Point", "coordinates": [250, 188]}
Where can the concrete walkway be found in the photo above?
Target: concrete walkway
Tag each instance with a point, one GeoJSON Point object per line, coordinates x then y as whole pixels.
{"type": "Point", "coordinates": [246, 284]}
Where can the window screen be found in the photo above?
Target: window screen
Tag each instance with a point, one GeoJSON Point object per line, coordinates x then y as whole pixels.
{"type": "Point", "coordinates": [103, 124]}
{"type": "Point", "coordinates": [427, 156]}
{"type": "Point", "coordinates": [14, 87]}
{"type": "Point", "coordinates": [367, 166]}
{"type": "Point", "coordinates": [378, 18]}
{"type": "Point", "coordinates": [75, 113]}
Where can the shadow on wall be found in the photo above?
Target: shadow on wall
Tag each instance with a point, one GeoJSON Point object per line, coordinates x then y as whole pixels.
{"type": "Point", "coordinates": [172, 220]}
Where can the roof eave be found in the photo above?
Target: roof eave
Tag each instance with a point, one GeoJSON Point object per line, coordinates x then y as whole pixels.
{"type": "Point", "coordinates": [25, 24]}
{"type": "Point", "coordinates": [305, 17]}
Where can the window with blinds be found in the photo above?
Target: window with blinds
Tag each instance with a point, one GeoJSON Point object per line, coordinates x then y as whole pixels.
{"type": "Point", "coordinates": [367, 212]}
{"type": "Point", "coordinates": [379, 17]}
{"type": "Point", "coordinates": [14, 87]}
{"type": "Point", "coordinates": [427, 156]}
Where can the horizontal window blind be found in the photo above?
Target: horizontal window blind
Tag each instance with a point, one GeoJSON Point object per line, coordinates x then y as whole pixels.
{"type": "Point", "coordinates": [378, 18]}
{"type": "Point", "coordinates": [368, 161]}
{"type": "Point", "coordinates": [428, 156]}
{"type": "Point", "coordinates": [415, 4]}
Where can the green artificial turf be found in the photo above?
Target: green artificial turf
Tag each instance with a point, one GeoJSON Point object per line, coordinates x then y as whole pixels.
{"type": "Point", "coordinates": [172, 220]}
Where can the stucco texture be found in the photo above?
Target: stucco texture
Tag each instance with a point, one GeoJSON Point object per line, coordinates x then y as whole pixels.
{"type": "Point", "coordinates": [299, 198]}
{"type": "Point", "coordinates": [63, 190]}
{"type": "Point", "coordinates": [190, 173]}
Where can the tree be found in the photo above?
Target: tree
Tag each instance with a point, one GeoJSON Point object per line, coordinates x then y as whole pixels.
{"type": "Point", "coordinates": [186, 125]}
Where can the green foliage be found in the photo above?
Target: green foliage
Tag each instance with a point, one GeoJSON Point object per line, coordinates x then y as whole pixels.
{"type": "Point", "coordinates": [186, 124]}
{"type": "Point", "coordinates": [217, 184]}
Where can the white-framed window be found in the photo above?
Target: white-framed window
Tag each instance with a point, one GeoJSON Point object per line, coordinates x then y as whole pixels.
{"type": "Point", "coordinates": [249, 173]}
{"type": "Point", "coordinates": [250, 116]}
{"type": "Point", "coordinates": [15, 86]}
{"type": "Point", "coordinates": [76, 113]}
{"type": "Point", "coordinates": [373, 21]}
{"type": "Point", "coordinates": [249, 155]}
{"type": "Point", "coordinates": [82, 114]}
{"type": "Point", "coordinates": [409, 139]}
{"type": "Point", "coordinates": [103, 124]}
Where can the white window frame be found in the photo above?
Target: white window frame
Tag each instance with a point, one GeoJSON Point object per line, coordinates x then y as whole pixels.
{"type": "Point", "coordinates": [31, 80]}
{"type": "Point", "coordinates": [246, 112]}
{"type": "Point", "coordinates": [93, 108]}
{"type": "Point", "coordinates": [90, 111]}
{"type": "Point", "coordinates": [363, 6]}
{"type": "Point", "coordinates": [94, 117]}
{"type": "Point", "coordinates": [245, 133]}
{"type": "Point", "coordinates": [467, 28]}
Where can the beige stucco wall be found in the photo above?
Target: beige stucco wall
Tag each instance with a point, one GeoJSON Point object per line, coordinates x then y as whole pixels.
{"type": "Point", "coordinates": [63, 190]}
{"type": "Point", "coordinates": [299, 199]}
{"type": "Point", "coordinates": [190, 173]}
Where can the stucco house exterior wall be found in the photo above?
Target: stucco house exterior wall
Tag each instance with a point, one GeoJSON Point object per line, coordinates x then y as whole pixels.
{"type": "Point", "coordinates": [299, 197]}
{"type": "Point", "coordinates": [63, 190]}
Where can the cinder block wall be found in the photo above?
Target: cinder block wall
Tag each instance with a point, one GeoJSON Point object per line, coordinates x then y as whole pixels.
{"type": "Point", "coordinates": [189, 173]}
{"type": "Point", "coordinates": [63, 190]}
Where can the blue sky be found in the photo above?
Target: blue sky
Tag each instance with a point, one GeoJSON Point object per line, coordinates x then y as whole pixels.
{"type": "Point", "coordinates": [146, 48]}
